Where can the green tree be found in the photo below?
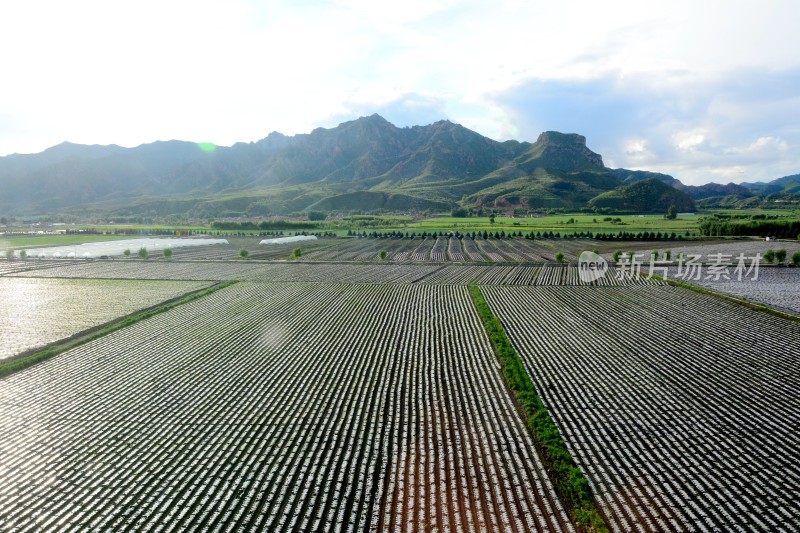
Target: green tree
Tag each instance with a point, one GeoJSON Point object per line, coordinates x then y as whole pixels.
{"type": "Point", "coordinates": [143, 253]}
{"type": "Point", "coordinates": [796, 259]}
{"type": "Point", "coordinates": [383, 254]}
{"type": "Point", "coordinates": [617, 255]}
{"type": "Point", "coordinates": [297, 252]}
{"type": "Point", "coordinates": [3, 220]}
{"type": "Point", "coordinates": [668, 255]}
{"type": "Point", "coordinates": [316, 215]}
{"type": "Point", "coordinates": [127, 252]}
{"type": "Point", "coordinates": [780, 256]}
{"type": "Point", "coordinates": [491, 219]}
{"type": "Point", "coordinates": [769, 256]}
{"type": "Point", "coordinates": [672, 212]}
{"type": "Point", "coordinates": [560, 257]}
{"type": "Point", "coordinates": [9, 254]}
{"type": "Point", "coordinates": [168, 253]}
{"type": "Point", "coordinates": [243, 253]}
{"type": "Point", "coordinates": [23, 254]}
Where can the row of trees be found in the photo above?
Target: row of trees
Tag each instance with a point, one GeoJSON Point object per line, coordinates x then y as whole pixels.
{"type": "Point", "coordinates": [779, 257]}
{"type": "Point", "coordinates": [622, 236]}
{"type": "Point", "coordinates": [779, 229]}
{"type": "Point", "coordinates": [142, 253]}
{"type": "Point", "coordinates": [263, 225]}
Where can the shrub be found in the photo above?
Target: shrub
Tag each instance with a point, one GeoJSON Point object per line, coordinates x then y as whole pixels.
{"type": "Point", "coordinates": [167, 253]}
{"type": "Point", "coordinates": [769, 256]}
{"type": "Point", "coordinates": [383, 254]}
{"type": "Point", "coordinates": [297, 252]}
{"type": "Point", "coordinates": [127, 252]}
{"type": "Point", "coordinates": [796, 259]}
{"type": "Point", "coordinates": [617, 255]}
{"type": "Point", "coordinates": [243, 253]}
{"type": "Point", "coordinates": [668, 255]}
{"type": "Point", "coordinates": [142, 253]}
{"type": "Point", "coordinates": [560, 257]}
{"type": "Point", "coordinates": [780, 256]}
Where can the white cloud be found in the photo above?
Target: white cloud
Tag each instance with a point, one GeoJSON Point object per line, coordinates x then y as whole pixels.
{"type": "Point", "coordinates": [663, 72]}
{"type": "Point", "coordinates": [767, 143]}
{"type": "Point", "coordinates": [636, 147]}
{"type": "Point", "coordinates": [689, 140]}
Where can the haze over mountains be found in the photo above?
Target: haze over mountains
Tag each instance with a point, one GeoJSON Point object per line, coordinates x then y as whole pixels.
{"type": "Point", "coordinates": [363, 165]}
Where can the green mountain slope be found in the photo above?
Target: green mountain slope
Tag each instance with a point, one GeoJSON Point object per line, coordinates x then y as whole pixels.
{"type": "Point", "coordinates": [644, 196]}
{"type": "Point", "coordinates": [366, 164]}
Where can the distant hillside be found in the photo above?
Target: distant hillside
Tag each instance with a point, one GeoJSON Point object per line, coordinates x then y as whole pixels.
{"type": "Point", "coordinates": [366, 165]}
{"type": "Point", "coordinates": [632, 176]}
{"type": "Point", "coordinates": [699, 192]}
{"type": "Point", "coordinates": [783, 193]}
{"type": "Point", "coordinates": [786, 184]}
{"type": "Point", "coordinates": [645, 196]}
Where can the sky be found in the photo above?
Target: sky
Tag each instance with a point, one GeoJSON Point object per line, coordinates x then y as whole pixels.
{"type": "Point", "coordinates": [704, 90]}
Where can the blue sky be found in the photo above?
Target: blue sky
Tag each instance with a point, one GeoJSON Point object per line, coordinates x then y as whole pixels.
{"type": "Point", "coordinates": [703, 90]}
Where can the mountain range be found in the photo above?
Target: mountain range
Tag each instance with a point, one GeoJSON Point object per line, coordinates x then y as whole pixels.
{"type": "Point", "coordinates": [364, 165]}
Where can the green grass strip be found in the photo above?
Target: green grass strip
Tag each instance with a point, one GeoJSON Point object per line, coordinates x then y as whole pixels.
{"type": "Point", "coordinates": [24, 361]}
{"type": "Point", "coordinates": [571, 486]}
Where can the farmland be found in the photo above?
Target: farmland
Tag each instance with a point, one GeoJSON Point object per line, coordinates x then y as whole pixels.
{"type": "Point", "coordinates": [691, 421]}
{"type": "Point", "coordinates": [707, 250]}
{"type": "Point", "coordinates": [337, 272]}
{"type": "Point", "coordinates": [395, 419]}
{"type": "Point", "coordinates": [341, 391]}
{"type": "Point", "coordinates": [775, 287]}
{"type": "Point", "coordinates": [36, 312]}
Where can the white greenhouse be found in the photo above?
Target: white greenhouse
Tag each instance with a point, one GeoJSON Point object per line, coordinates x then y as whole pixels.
{"type": "Point", "coordinates": [284, 240]}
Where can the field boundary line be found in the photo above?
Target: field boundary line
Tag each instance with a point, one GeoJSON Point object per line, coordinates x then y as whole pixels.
{"type": "Point", "coordinates": [569, 482]}
{"type": "Point", "coordinates": [764, 308]}
{"type": "Point", "coordinates": [37, 355]}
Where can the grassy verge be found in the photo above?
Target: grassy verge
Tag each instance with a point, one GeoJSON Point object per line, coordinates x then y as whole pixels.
{"type": "Point", "coordinates": [568, 481]}
{"type": "Point", "coordinates": [729, 297]}
{"type": "Point", "coordinates": [24, 361]}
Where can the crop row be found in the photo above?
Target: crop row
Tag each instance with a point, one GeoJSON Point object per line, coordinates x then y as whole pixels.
{"type": "Point", "coordinates": [443, 249]}
{"type": "Point", "coordinates": [447, 274]}
{"type": "Point", "coordinates": [36, 312]}
{"type": "Point", "coordinates": [776, 287]}
{"type": "Point", "coordinates": [288, 407]}
{"type": "Point", "coordinates": [680, 408]}
{"type": "Point", "coordinates": [429, 249]}
{"type": "Point", "coordinates": [707, 251]}
{"type": "Point", "coordinates": [20, 265]}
